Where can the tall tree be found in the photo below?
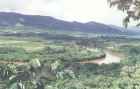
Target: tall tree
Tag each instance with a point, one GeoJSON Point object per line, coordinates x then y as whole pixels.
{"type": "Point", "coordinates": [130, 7]}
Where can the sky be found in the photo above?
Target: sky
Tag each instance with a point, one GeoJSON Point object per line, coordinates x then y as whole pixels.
{"type": "Point", "coordinates": [69, 10]}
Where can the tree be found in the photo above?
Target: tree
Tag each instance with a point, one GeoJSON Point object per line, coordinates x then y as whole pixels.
{"type": "Point", "coordinates": [130, 7]}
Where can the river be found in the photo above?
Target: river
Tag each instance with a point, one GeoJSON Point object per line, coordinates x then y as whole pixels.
{"type": "Point", "coordinates": [111, 57]}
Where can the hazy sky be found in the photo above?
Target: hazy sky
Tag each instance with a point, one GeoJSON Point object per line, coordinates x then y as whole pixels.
{"type": "Point", "coordinates": [71, 10]}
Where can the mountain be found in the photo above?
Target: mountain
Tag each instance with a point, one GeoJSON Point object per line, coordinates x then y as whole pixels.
{"type": "Point", "coordinates": [136, 29]}
{"type": "Point", "coordinates": [130, 30]}
{"type": "Point", "coordinates": [9, 19]}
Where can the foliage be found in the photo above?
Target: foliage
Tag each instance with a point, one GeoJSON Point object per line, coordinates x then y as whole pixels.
{"type": "Point", "coordinates": [13, 53]}
{"type": "Point", "coordinates": [131, 7]}
{"type": "Point", "coordinates": [66, 53]}
{"type": "Point", "coordinates": [57, 66]}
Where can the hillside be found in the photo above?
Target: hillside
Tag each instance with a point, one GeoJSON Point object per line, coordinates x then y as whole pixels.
{"type": "Point", "coordinates": [47, 22]}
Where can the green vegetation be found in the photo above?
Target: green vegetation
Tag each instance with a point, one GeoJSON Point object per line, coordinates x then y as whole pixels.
{"type": "Point", "coordinates": [25, 44]}
{"type": "Point", "coordinates": [13, 54]}
{"type": "Point", "coordinates": [68, 53]}
{"type": "Point", "coordinates": [49, 64]}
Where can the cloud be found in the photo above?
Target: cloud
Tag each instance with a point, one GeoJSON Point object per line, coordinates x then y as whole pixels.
{"type": "Point", "coordinates": [14, 4]}
{"type": "Point", "coordinates": [79, 10]}
{"type": "Point", "coordinates": [45, 7]}
{"type": "Point", "coordinates": [21, 4]}
{"type": "Point", "coordinates": [41, 7]}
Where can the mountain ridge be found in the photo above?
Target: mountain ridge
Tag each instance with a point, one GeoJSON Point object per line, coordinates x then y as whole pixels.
{"type": "Point", "coordinates": [38, 21]}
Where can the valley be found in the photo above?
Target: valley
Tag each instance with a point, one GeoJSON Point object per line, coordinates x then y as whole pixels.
{"type": "Point", "coordinates": [41, 52]}
{"type": "Point", "coordinates": [63, 62]}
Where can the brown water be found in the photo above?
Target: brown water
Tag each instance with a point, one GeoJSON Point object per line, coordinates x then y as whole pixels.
{"type": "Point", "coordinates": [111, 57]}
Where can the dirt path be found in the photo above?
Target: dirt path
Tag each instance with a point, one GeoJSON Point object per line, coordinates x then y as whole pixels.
{"type": "Point", "coordinates": [111, 57]}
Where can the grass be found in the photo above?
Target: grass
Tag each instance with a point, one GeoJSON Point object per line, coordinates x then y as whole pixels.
{"type": "Point", "coordinates": [25, 44]}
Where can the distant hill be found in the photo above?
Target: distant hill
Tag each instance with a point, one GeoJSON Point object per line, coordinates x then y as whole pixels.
{"type": "Point", "coordinates": [36, 21]}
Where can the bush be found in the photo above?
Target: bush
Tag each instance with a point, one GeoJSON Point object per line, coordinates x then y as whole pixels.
{"type": "Point", "coordinates": [13, 54]}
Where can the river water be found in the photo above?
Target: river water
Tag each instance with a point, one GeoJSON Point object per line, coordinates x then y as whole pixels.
{"type": "Point", "coordinates": [108, 59]}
